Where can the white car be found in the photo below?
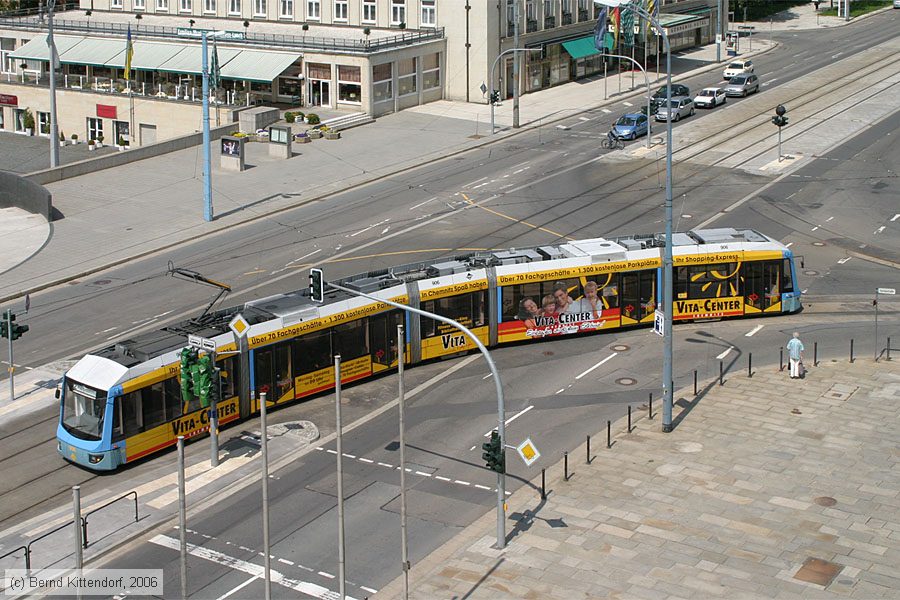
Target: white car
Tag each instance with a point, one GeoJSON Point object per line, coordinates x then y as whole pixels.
{"type": "Point", "coordinates": [738, 67]}
{"type": "Point", "coordinates": [710, 97]}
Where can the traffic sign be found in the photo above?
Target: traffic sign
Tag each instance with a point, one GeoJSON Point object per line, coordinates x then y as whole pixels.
{"type": "Point", "coordinates": [528, 451]}
{"type": "Point", "coordinates": [239, 325]}
{"type": "Point", "coordinates": [201, 343]}
{"type": "Point", "coordinates": [887, 291]}
{"type": "Point", "coordinates": [659, 322]}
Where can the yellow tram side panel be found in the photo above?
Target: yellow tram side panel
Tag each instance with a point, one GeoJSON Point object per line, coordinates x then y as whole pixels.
{"type": "Point", "coordinates": [190, 425]}
{"type": "Point", "coordinates": [451, 340]}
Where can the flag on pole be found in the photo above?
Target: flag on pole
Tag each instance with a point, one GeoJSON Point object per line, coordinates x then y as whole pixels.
{"type": "Point", "coordinates": [628, 24]}
{"type": "Point", "coordinates": [129, 52]}
{"type": "Point", "coordinates": [215, 73]}
{"type": "Point", "coordinates": [600, 29]}
{"type": "Point", "coordinates": [617, 24]}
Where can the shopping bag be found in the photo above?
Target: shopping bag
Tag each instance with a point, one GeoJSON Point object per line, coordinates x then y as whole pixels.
{"type": "Point", "coordinates": [802, 370]}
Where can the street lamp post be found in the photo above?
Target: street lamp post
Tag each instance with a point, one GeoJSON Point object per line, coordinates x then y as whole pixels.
{"type": "Point", "coordinates": [646, 82]}
{"type": "Point", "coordinates": [54, 126]}
{"type": "Point", "coordinates": [493, 68]}
{"type": "Point", "coordinates": [667, 252]}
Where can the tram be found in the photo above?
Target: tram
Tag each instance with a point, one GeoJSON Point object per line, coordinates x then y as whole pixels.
{"type": "Point", "coordinates": [124, 402]}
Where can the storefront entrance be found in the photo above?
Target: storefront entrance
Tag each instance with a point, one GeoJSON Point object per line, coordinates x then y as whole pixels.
{"type": "Point", "coordinates": [319, 92]}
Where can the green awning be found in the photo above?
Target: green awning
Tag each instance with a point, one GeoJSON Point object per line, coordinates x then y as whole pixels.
{"type": "Point", "coordinates": [256, 65]}
{"type": "Point", "coordinates": [581, 47]}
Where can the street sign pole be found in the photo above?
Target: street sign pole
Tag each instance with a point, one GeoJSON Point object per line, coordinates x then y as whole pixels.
{"type": "Point", "coordinates": [404, 550]}
{"type": "Point", "coordinates": [12, 365]}
{"type": "Point", "coordinates": [886, 292]}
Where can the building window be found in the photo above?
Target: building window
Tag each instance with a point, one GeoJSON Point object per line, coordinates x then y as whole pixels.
{"type": "Point", "coordinates": [234, 7]}
{"type": "Point", "coordinates": [43, 123]}
{"type": "Point", "coordinates": [406, 76]}
{"type": "Point", "coordinates": [398, 12]}
{"type": "Point", "coordinates": [349, 88]}
{"type": "Point", "coordinates": [313, 10]}
{"type": "Point", "coordinates": [287, 9]}
{"type": "Point", "coordinates": [368, 11]}
{"type": "Point", "coordinates": [382, 86]}
{"type": "Point", "coordinates": [259, 8]}
{"type": "Point", "coordinates": [115, 4]}
{"type": "Point", "coordinates": [209, 6]}
{"type": "Point", "coordinates": [431, 71]}
{"type": "Point", "coordinates": [510, 18]}
{"type": "Point", "coordinates": [549, 14]}
{"type": "Point", "coordinates": [340, 10]}
{"type": "Point", "coordinates": [139, 5]}
{"type": "Point", "coordinates": [429, 17]}
{"type": "Point", "coordinates": [162, 5]}
{"type": "Point", "coordinates": [94, 128]}
{"type": "Point", "coordinates": [583, 10]}
{"type": "Point", "coordinates": [185, 6]}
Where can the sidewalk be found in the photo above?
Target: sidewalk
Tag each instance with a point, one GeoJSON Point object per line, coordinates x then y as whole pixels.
{"type": "Point", "coordinates": [768, 488]}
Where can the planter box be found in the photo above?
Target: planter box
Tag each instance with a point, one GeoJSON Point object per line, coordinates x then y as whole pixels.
{"type": "Point", "coordinates": [62, 144]}
{"type": "Point", "coordinates": [92, 147]}
{"type": "Point", "coordinates": [333, 135]}
{"type": "Point", "coordinates": [315, 134]}
{"type": "Point", "coordinates": [302, 140]}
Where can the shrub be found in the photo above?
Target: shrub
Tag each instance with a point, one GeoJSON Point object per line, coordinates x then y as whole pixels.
{"type": "Point", "coordinates": [74, 137]}
{"type": "Point", "coordinates": [100, 138]}
{"type": "Point", "coordinates": [28, 120]}
{"type": "Point", "coordinates": [289, 117]}
{"type": "Point", "coordinates": [90, 142]}
{"type": "Point", "coordinates": [62, 136]}
{"type": "Point", "coordinates": [122, 141]}
{"type": "Point", "coordinates": [313, 119]}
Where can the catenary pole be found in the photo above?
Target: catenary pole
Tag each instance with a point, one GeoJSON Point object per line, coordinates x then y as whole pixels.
{"type": "Point", "coordinates": [54, 125]}
{"type": "Point", "coordinates": [207, 160]}
{"type": "Point", "coordinates": [516, 66]}
{"type": "Point", "coordinates": [342, 582]}
{"type": "Point", "coordinates": [401, 395]}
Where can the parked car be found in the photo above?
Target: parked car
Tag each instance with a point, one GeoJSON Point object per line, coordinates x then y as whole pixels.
{"type": "Point", "coordinates": [710, 98]}
{"type": "Point", "coordinates": [631, 126]}
{"type": "Point", "coordinates": [742, 85]}
{"type": "Point", "coordinates": [659, 98]}
{"type": "Point", "coordinates": [896, 3]}
{"type": "Point", "coordinates": [737, 67]}
{"type": "Point", "coordinates": [680, 107]}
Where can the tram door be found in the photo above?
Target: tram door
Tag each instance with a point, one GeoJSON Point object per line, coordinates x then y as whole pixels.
{"type": "Point", "coordinates": [383, 339]}
{"type": "Point", "coordinates": [273, 373]}
{"type": "Point", "coordinates": [638, 299]}
{"type": "Point", "coordinates": [762, 285]}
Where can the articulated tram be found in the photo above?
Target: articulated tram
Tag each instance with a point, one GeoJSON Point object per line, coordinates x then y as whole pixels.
{"type": "Point", "coordinates": [125, 402]}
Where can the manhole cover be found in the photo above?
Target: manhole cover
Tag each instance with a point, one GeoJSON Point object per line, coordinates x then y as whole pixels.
{"type": "Point", "coordinates": [825, 501]}
{"type": "Point", "coordinates": [688, 447]}
{"type": "Point", "coordinates": [476, 136]}
{"type": "Point", "coordinates": [811, 273]}
{"type": "Point", "coordinates": [621, 348]}
{"type": "Point", "coordinates": [796, 411]}
{"type": "Point", "coordinates": [818, 243]}
{"type": "Point", "coordinates": [101, 282]}
{"type": "Point", "coordinates": [548, 352]}
{"type": "Point", "coordinates": [818, 571]}
{"type": "Point", "coordinates": [626, 381]}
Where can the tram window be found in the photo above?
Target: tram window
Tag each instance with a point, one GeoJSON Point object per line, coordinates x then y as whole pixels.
{"type": "Point", "coordinates": [130, 405]}
{"type": "Point", "coordinates": [609, 291]}
{"type": "Point", "coordinates": [681, 283]}
{"type": "Point", "coordinates": [230, 376]}
{"type": "Point", "coordinates": [172, 394]}
{"type": "Point", "coordinates": [712, 281]}
{"type": "Point", "coordinates": [515, 295]}
{"type": "Point", "coordinates": [153, 404]}
{"type": "Point", "coordinates": [383, 336]}
{"type": "Point", "coordinates": [467, 309]}
{"type": "Point", "coordinates": [350, 340]}
{"type": "Point", "coordinates": [283, 380]}
{"type": "Point", "coordinates": [312, 352]}
{"type": "Point", "coordinates": [787, 281]}
{"type": "Point", "coordinates": [117, 428]}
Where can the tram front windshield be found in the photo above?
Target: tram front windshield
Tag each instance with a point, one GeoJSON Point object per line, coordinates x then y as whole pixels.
{"type": "Point", "coordinates": [83, 410]}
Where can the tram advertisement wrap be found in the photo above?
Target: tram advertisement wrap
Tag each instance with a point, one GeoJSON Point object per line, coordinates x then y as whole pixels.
{"type": "Point", "coordinates": [323, 379]}
{"type": "Point", "coordinates": [190, 425]}
{"type": "Point", "coordinates": [709, 308]}
{"type": "Point", "coordinates": [557, 325]}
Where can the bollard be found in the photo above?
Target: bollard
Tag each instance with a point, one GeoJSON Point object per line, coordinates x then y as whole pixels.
{"type": "Point", "coordinates": [815, 354]}
{"type": "Point", "coordinates": [629, 418]}
{"type": "Point", "coordinates": [888, 357]}
{"type": "Point", "coordinates": [851, 349]}
{"type": "Point", "coordinates": [543, 485]}
{"type": "Point", "coordinates": [750, 365]}
{"type": "Point", "coordinates": [650, 406]}
{"type": "Point", "coordinates": [781, 359]}
{"type": "Point", "coordinates": [565, 466]}
{"type": "Point", "coordinates": [588, 451]}
{"type": "Point", "coordinates": [695, 383]}
{"type": "Point", "coordinates": [721, 372]}
{"type": "Point", "coordinates": [609, 434]}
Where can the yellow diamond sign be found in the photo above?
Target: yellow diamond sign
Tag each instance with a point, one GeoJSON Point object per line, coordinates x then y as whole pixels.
{"type": "Point", "coordinates": [239, 325]}
{"type": "Point", "coordinates": [528, 451]}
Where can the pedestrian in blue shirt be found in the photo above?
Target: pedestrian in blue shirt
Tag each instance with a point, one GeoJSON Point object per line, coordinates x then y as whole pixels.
{"type": "Point", "coordinates": [795, 352]}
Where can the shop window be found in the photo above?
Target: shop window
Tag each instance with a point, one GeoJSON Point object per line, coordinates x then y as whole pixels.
{"type": "Point", "coordinates": [349, 88]}
{"type": "Point", "coordinates": [340, 10]}
{"type": "Point", "coordinates": [406, 76]}
{"type": "Point", "coordinates": [369, 11]}
{"type": "Point", "coordinates": [429, 13]}
{"type": "Point", "coordinates": [2, 124]}
{"type": "Point", "coordinates": [313, 9]}
{"type": "Point", "coordinates": [259, 8]}
{"type": "Point", "coordinates": [431, 71]}
{"type": "Point", "coordinates": [381, 82]}
{"type": "Point", "coordinates": [43, 123]}
{"type": "Point", "coordinates": [286, 8]}
{"type": "Point", "coordinates": [234, 7]}
{"type": "Point", "coordinates": [94, 128]}
{"type": "Point", "coordinates": [398, 12]}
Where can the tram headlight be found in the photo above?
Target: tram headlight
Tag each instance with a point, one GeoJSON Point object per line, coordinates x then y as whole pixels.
{"type": "Point", "coordinates": [95, 458]}
{"type": "Point", "coordinates": [59, 447]}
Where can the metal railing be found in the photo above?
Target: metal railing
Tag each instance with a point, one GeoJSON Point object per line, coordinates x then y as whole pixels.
{"type": "Point", "coordinates": [27, 556]}
{"type": "Point", "coordinates": [305, 42]}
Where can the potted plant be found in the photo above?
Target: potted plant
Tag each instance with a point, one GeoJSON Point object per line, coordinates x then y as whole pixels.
{"type": "Point", "coordinates": [74, 139]}
{"type": "Point", "coordinates": [302, 138]}
{"type": "Point", "coordinates": [122, 143]}
{"type": "Point", "coordinates": [28, 122]}
{"type": "Point", "coordinates": [289, 117]}
{"type": "Point", "coordinates": [330, 134]}
{"type": "Point", "coordinates": [92, 144]}
{"type": "Point", "coordinates": [62, 140]}
{"type": "Point", "coordinates": [315, 134]}
{"type": "Point", "coordinates": [99, 140]}
{"type": "Point", "coordinates": [313, 119]}
{"type": "Point", "coordinates": [299, 116]}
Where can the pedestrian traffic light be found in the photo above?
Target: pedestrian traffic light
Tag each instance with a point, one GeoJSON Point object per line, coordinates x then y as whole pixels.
{"type": "Point", "coordinates": [494, 455]}
{"type": "Point", "coordinates": [188, 362]}
{"type": "Point", "coordinates": [317, 285]}
{"type": "Point", "coordinates": [18, 330]}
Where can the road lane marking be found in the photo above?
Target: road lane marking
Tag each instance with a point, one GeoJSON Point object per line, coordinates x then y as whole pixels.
{"type": "Point", "coordinates": [628, 104]}
{"type": "Point", "coordinates": [614, 354]}
{"type": "Point", "coordinates": [285, 561]}
{"type": "Point", "coordinates": [423, 474]}
{"type": "Point", "coordinates": [482, 487]}
{"type": "Point", "coordinates": [879, 230]}
{"type": "Point", "coordinates": [368, 589]}
{"type": "Point", "coordinates": [488, 376]}
{"type": "Point", "coordinates": [814, 228]}
{"type": "Point", "coordinates": [843, 260]}
{"type": "Point", "coordinates": [461, 482]}
{"type": "Point", "coordinates": [381, 464]}
{"type": "Point", "coordinates": [828, 219]}
{"type": "Point", "coordinates": [422, 203]}
{"type": "Point", "coordinates": [606, 110]}
{"type": "Point", "coordinates": [474, 182]}
{"type": "Point", "coordinates": [324, 574]}
{"type": "Point", "coordinates": [238, 588]}
{"type": "Point", "coordinates": [791, 196]}
{"type": "Point", "coordinates": [584, 118]}
{"type": "Point", "coordinates": [753, 331]}
{"type": "Point", "coordinates": [306, 587]}
{"type": "Point", "coordinates": [724, 354]}
{"type": "Point", "coordinates": [366, 460]}
{"type": "Point", "coordinates": [789, 244]}
{"type": "Point", "coordinates": [895, 217]}
{"type": "Point", "coordinates": [512, 418]}
{"type": "Point", "coordinates": [441, 478]}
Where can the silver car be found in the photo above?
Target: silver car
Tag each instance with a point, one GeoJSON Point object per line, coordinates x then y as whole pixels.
{"type": "Point", "coordinates": [742, 85]}
{"type": "Point", "coordinates": [680, 107]}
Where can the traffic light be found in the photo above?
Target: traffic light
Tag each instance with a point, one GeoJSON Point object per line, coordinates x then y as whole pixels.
{"type": "Point", "coordinates": [203, 382]}
{"type": "Point", "coordinates": [494, 455]}
{"type": "Point", "coordinates": [4, 330]}
{"type": "Point", "coordinates": [18, 330]}
{"type": "Point", "coordinates": [188, 362]}
{"type": "Point", "coordinates": [495, 97]}
{"type": "Point", "coordinates": [317, 285]}
{"type": "Point", "coordinates": [779, 119]}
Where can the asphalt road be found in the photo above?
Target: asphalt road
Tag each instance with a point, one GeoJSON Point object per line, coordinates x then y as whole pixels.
{"type": "Point", "coordinates": [541, 187]}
